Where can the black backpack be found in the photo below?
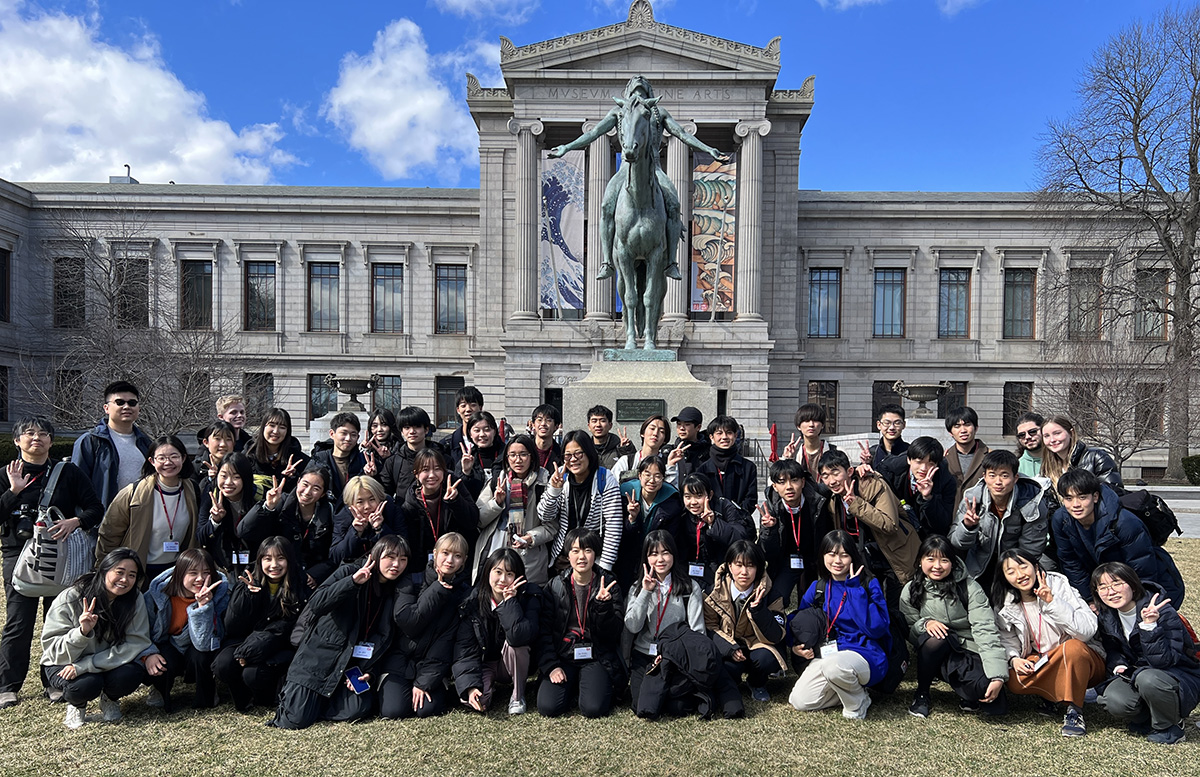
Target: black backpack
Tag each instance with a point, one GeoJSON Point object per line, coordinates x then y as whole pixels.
{"type": "Point", "coordinates": [1159, 519]}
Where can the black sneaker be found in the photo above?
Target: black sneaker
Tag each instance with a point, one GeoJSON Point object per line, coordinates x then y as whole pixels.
{"type": "Point", "coordinates": [970, 705]}
{"type": "Point", "coordinates": [1073, 725]}
{"type": "Point", "coordinates": [1167, 736]}
{"type": "Point", "coordinates": [921, 706]}
{"type": "Point", "coordinates": [1046, 708]}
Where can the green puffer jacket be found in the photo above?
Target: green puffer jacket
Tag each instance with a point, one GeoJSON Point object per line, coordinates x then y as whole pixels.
{"type": "Point", "coordinates": [973, 624]}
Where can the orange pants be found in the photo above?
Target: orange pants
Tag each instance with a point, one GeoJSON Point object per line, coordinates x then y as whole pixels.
{"type": "Point", "coordinates": [1071, 669]}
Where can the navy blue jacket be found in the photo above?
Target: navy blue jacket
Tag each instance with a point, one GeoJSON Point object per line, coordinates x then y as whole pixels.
{"type": "Point", "coordinates": [96, 454]}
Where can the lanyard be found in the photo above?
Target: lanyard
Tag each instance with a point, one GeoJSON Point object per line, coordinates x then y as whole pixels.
{"type": "Point", "coordinates": [661, 609]}
{"type": "Point", "coordinates": [846, 521]}
{"type": "Point", "coordinates": [170, 516]}
{"type": "Point", "coordinates": [581, 617]}
{"type": "Point", "coordinates": [432, 528]}
{"type": "Point", "coordinates": [1037, 639]}
{"type": "Point", "coordinates": [833, 621]}
{"type": "Point", "coordinates": [699, 526]}
{"type": "Point", "coordinates": [796, 517]}
{"type": "Point", "coordinates": [370, 618]}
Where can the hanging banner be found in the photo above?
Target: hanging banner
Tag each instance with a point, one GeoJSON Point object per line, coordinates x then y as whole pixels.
{"type": "Point", "coordinates": [560, 270]}
{"type": "Point", "coordinates": [713, 233]}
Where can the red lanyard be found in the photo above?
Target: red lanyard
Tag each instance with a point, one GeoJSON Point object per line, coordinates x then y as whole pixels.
{"type": "Point", "coordinates": [581, 617]}
{"type": "Point", "coordinates": [846, 521]}
{"type": "Point", "coordinates": [429, 516]}
{"type": "Point", "coordinates": [661, 609]}
{"type": "Point", "coordinates": [796, 517]}
{"type": "Point", "coordinates": [829, 628]}
{"type": "Point", "coordinates": [699, 526]}
{"type": "Point", "coordinates": [1037, 639]}
{"type": "Point", "coordinates": [170, 516]}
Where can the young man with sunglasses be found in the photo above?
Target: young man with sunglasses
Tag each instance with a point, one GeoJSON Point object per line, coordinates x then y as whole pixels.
{"type": "Point", "coordinates": [112, 454]}
{"type": "Point", "coordinates": [1029, 444]}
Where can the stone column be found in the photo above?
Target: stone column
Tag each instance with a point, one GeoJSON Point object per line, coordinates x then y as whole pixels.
{"type": "Point", "coordinates": [680, 173]}
{"type": "Point", "coordinates": [599, 294]}
{"type": "Point", "coordinates": [528, 216]}
{"type": "Point", "coordinates": [748, 284]}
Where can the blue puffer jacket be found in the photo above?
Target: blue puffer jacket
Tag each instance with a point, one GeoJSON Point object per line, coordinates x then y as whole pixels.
{"type": "Point", "coordinates": [1167, 646]}
{"type": "Point", "coordinates": [1117, 535]}
{"type": "Point", "coordinates": [206, 625]}
{"type": "Point", "coordinates": [96, 454]}
{"type": "Point", "coordinates": [862, 625]}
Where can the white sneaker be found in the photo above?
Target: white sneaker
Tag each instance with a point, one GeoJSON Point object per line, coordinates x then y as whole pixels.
{"type": "Point", "coordinates": [110, 708]}
{"type": "Point", "coordinates": [516, 707]}
{"type": "Point", "coordinates": [8, 699]}
{"type": "Point", "coordinates": [860, 713]}
{"type": "Point", "coordinates": [155, 699]}
{"type": "Point", "coordinates": [75, 717]}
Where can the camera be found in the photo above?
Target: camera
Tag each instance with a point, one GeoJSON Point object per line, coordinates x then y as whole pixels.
{"type": "Point", "coordinates": [23, 519]}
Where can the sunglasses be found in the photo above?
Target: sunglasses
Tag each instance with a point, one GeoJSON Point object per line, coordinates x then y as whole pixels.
{"type": "Point", "coordinates": [124, 402]}
{"type": "Point", "coordinates": [1030, 433]}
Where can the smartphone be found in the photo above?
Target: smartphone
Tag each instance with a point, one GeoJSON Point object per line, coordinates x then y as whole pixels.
{"type": "Point", "coordinates": [354, 675]}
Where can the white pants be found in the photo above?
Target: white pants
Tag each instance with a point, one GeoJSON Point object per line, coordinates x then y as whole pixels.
{"type": "Point", "coordinates": [826, 681]}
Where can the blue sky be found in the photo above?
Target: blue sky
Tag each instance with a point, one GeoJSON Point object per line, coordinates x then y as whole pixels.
{"type": "Point", "coordinates": [932, 95]}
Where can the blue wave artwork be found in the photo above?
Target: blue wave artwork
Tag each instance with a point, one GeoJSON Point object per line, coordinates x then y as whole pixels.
{"type": "Point", "coordinates": [560, 272]}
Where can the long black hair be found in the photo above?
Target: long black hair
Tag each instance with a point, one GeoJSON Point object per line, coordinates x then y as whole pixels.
{"type": "Point", "coordinates": [293, 590]}
{"type": "Point", "coordinates": [750, 554]}
{"type": "Point", "coordinates": [185, 471]}
{"type": "Point", "coordinates": [483, 584]}
{"type": "Point", "coordinates": [842, 539]}
{"type": "Point", "coordinates": [660, 539]}
{"type": "Point", "coordinates": [1001, 588]}
{"type": "Point", "coordinates": [935, 544]}
{"type": "Point", "coordinates": [115, 616]}
{"type": "Point", "coordinates": [276, 415]}
{"type": "Point", "coordinates": [244, 468]}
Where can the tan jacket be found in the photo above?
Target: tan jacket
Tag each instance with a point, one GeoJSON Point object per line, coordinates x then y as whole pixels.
{"type": "Point", "coordinates": [720, 613]}
{"type": "Point", "coordinates": [130, 518]}
{"type": "Point", "coordinates": [876, 506]}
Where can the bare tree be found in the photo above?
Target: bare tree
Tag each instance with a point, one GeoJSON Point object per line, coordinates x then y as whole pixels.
{"type": "Point", "coordinates": [113, 311]}
{"type": "Point", "coordinates": [1125, 166]}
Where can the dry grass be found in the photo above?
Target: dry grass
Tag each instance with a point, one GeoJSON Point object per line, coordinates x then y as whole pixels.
{"type": "Point", "coordinates": [774, 739]}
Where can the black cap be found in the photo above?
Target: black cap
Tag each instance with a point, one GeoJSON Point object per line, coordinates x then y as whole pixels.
{"type": "Point", "coordinates": [688, 415]}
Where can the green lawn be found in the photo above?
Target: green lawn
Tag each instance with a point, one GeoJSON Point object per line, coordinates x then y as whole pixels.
{"type": "Point", "coordinates": [773, 739]}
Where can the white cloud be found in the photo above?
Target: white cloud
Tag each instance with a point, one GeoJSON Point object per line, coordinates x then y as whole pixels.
{"type": "Point", "coordinates": [480, 57]}
{"type": "Point", "coordinates": [843, 5]}
{"type": "Point", "coordinates": [951, 7]}
{"type": "Point", "coordinates": [77, 109]}
{"type": "Point", "coordinates": [512, 11]}
{"type": "Point", "coordinates": [392, 107]}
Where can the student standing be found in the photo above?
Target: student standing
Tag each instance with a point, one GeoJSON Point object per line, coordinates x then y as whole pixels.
{"type": "Point", "coordinates": [544, 423]}
{"type": "Point", "coordinates": [890, 423]}
{"type": "Point", "coordinates": [584, 494]}
{"type": "Point", "coordinates": [274, 452]}
{"type": "Point", "coordinates": [476, 459]}
{"type": "Point", "coordinates": [691, 439]}
{"type": "Point", "coordinates": [222, 510]}
{"type": "Point", "coordinates": [810, 422]}
{"type": "Point", "coordinates": [789, 531]}
{"type": "Point", "coordinates": [383, 439]}
{"type": "Point", "coordinates": [340, 454]}
{"type": "Point", "coordinates": [609, 447]}
{"type": "Point", "coordinates": [216, 442]}
{"type": "Point", "coordinates": [1064, 451]}
{"type": "Point", "coordinates": [655, 435]}
{"type": "Point", "coordinates": [925, 488]}
{"type": "Point", "coordinates": [111, 455]}
{"type": "Point", "coordinates": [468, 401]}
{"type": "Point", "coordinates": [398, 473]}
{"type": "Point", "coordinates": [732, 475]}
{"type": "Point", "coordinates": [232, 409]}
{"type": "Point", "coordinates": [1029, 444]}
{"type": "Point", "coordinates": [965, 460]}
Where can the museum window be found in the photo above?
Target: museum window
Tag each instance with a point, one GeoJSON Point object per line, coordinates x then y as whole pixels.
{"type": "Point", "coordinates": [5, 285]}
{"type": "Point", "coordinates": [386, 394]}
{"type": "Point", "coordinates": [323, 284]}
{"type": "Point", "coordinates": [824, 303]}
{"type": "Point", "coordinates": [1083, 303]}
{"type": "Point", "coordinates": [259, 390]}
{"type": "Point", "coordinates": [882, 394]}
{"type": "Point", "coordinates": [1083, 405]}
{"type": "Point", "coordinates": [69, 306]}
{"type": "Point", "coordinates": [1148, 415]}
{"type": "Point", "coordinates": [1150, 322]}
{"type": "Point", "coordinates": [824, 393]}
{"type": "Point", "coordinates": [450, 299]}
{"type": "Point", "coordinates": [1020, 286]}
{"type": "Point", "coordinates": [889, 303]}
{"type": "Point", "coordinates": [1018, 399]}
{"type": "Point", "coordinates": [131, 282]}
{"type": "Point", "coordinates": [322, 398]}
{"type": "Point", "coordinates": [953, 399]}
{"type": "Point", "coordinates": [260, 297]}
{"type": "Point", "coordinates": [447, 386]}
{"type": "Point", "coordinates": [195, 295]}
{"type": "Point", "coordinates": [387, 298]}
{"type": "Point", "coordinates": [954, 306]}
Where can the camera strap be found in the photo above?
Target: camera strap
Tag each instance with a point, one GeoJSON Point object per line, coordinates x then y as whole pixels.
{"type": "Point", "coordinates": [48, 491]}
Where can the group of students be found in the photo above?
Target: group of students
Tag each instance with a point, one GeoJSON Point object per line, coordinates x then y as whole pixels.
{"type": "Point", "coordinates": [397, 577]}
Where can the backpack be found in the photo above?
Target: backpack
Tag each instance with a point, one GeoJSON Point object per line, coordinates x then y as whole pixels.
{"type": "Point", "coordinates": [893, 643]}
{"type": "Point", "coordinates": [1191, 634]}
{"type": "Point", "coordinates": [1153, 511]}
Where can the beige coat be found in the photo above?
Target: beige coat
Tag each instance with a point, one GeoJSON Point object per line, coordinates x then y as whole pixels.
{"type": "Point", "coordinates": [130, 518]}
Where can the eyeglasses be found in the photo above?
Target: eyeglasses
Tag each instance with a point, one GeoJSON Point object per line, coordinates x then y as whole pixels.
{"type": "Point", "coordinates": [517, 455]}
{"type": "Point", "coordinates": [1108, 588]}
{"type": "Point", "coordinates": [168, 459]}
{"type": "Point", "coordinates": [38, 433]}
{"type": "Point", "coordinates": [123, 402]}
{"type": "Point", "coordinates": [653, 477]}
{"type": "Point", "coordinates": [576, 456]}
{"type": "Point", "coordinates": [1027, 433]}
{"type": "Point", "coordinates": [891, 424]}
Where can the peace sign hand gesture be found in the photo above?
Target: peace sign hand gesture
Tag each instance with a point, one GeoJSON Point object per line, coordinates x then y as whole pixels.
{"type": "Point", "coordinates": [767, 520]}
{"type": "Point", "coordinates": [556, 479]}
{"type": "Point", "coordinates": [855, 572]}
{"type": "Point", "coordinates": [370, 468]}
{"type": "Point", "coordinates": [274, 494]}
{"type": "Point", "coordinates": [971, 516]}
{"type": "Point", "coordinates": [756, 600]}
{"type": "Point", "coordinates": [363, 574]}
{"type": "Point", "coordinates": [206, 593]}
{"type": "Point", "coordinates": [864, 452]}
{"type": "Point", "coordinates": [633, 507]}
{"type": "Point", "coordinates": [1043, 591]}
{"type": "Point", "coordinates": [217, 512]}
{"type": "Point", "coordinates": [501, 489]}
{"type": "Point", "coordinates": [605, 592]}
{"type": "Point", "coordinates": [624, 437]}
{"type": "Point", "coordinates": [468, 458]}
{"type": "Point", "coordinates": [248, 581]}
{"type": "Point", "coordinates": [452, 489]}
{"type": "Point", "coordinates": [88, 618]}
{"type": "Point", "coordinates": [1152, 609]}
{"type": "Point", "coordinates": [677, 453]}
{"type": "Point", "coordinates": [706, 513]}
{"type": "Point", "coordinates": [925, 484]}
{"type": "Point", "coordinates": [649, 582]}
{"type": "Point", "coordinates": [511, 590]}
{"type": "Point", "coordinates": [290, 469]}
{"type": "Point", "coordinates": [789, 450]}
{"type": "Point", "coordinates": [376, 517]}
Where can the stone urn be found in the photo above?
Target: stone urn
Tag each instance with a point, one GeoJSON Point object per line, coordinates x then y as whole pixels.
{"type": "Point", "coordinates": [921, 393]}
{"type": "Point", "coordinates": [353, 387]}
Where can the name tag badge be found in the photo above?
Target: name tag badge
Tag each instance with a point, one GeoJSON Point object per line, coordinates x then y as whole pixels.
{"type": "Point", "coordinates": [364, 650]}
{"type": "Point", "coordinates": [583, 652]}
{"type": "Point", "coordinates": [243, 558]}
{"type": "Point", "coordinates": [828, 649]}
{"type": "Point", "coordinates": [797, 562]}
{"type": "Point", "coordinates": [695, 570]}
{"type": "Point", "coordinates": [170, 547]}
{"type": "Point", "coordinates": [654, 648]}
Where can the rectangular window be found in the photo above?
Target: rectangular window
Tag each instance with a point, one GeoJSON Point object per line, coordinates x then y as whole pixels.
{"type": "Point", "coordinates": [68, 292]}
{"type": "Point", "coordinates": [889, 303]}
{"type": "Point", "coordinates": [131, 267]}
{"type": "Point", "coordinates": [824, 303]}
{"type": "Point", "coordinates": [451, 299]}
{"type": "Point", "coordinates": [954, 294]}
{"type": "Point", "coordinates": [260, 296]}
{"type": "Point", "coordinates": [953, 399]}
{"type": "Point", "coordinates": [387, 308]}
{"type": "Point", "coordinates": [447, 387]}
{"type": "Point", "coordinates": [4, 394]}
{"type": "Point", "coordinates": [882, 394]}
{"type": "Point", "coordinates": [195, 295]}
{"type": "Point", "coordinates": [195, 396]}
{"type": "Point", "coordinates": [1083, 405]}
{"type": "Point", "coordinates": [322, 398]}
{"type": "Point", "coordinates": [1084, 304]}
{"type": "Point", "coordinates": [1019, 295]}
{"type": "Point", "coordinates": [5, 285]}
{"type": "Point", "coordinates": [68, 395]}
{"type": "Point", "coordinates": [386, 394]}
{"type": "Point", "coordinates": [323, 285]}
{"type": "Point", "coordinates": [1149, 412]}
{"type": "Point", "coordinates": [259, 390]}
{"type": "Point", "coordinates": [1018, 399]}
{"type": "Point", "coordinates": [824, 393]}
{"type": "Point", "coordinates": [1150, 323]}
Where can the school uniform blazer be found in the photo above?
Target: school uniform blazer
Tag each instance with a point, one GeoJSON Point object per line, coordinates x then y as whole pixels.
{"type": "Point", "coordinates": [754, 628]}
{"type": "Point", "coordinates": [974, 624]}
{"type": "Point", "coordinates": [1067, 611]}
{"type": "Point", "coordinates": [968, 478]}
{"type": "Point", "coordinates": [63, 643]}
{"type": "Point", "coordinates": [1025, 526]}
{"type": "Point", "coordinates": [604, 514]}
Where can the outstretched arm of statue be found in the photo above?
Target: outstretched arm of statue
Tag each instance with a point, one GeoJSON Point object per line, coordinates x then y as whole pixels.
{"type": "Point", "coordinates": [678, 131]}
{"type": "Point", "coordinates": [602, 127]}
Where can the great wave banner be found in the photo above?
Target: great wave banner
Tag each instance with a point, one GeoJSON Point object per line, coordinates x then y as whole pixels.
{"type": "Point", "coordinates": [712, 239]}
{"type": "Point", "coordinates": [560, 271]}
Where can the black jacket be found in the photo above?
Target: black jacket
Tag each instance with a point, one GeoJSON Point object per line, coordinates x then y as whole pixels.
{"type": "Point", "coordinates": [612, 449]}
{"type": "Point", "coordinates": [1099, 463]}
{"type": "Point", "coordinates": [730, 524]}
{"type": "Point", "coordinates": [96, 456]}
{"type": "Point", "coordinates": [666, 514]}
{"type": "Point", "coordinates": [516, 621]}
{"type": "Point", "coordinates": [73, 495]}
{"type": "Point", "coordinates": [424, 527]}
{"type": "Point", "coordinates": [693, 457]}
{"type": "Point", "coordinates": [348, 545]}
{"type": "Point", "coordinates": [397, 475]}
{"type": "Point", "coordinates": [779, 542]}
{"type": "Point", "coordinates": [312, 540]}
{"type": "Point", "coordinates": [323, 455]}
{"type": "Point", "coordinates": [275, 468]}
{"type": "Point", "coordinates": [933, 515]}
{"type": "Point", "coordinates": [223, 540]}
{"type": "Point", "coordinates": [427, 627]}
{"type": "Point", "coordinates": [603, 626]}
{"type": "Point", "coordinates": [739, 483]}
{"type": "Point", "coordinates": [880, 455]}
{"type": "Point", "coordinates": [690, 669]}
{"type": "Point", "coordinates": [488, 461]}
{"type": "Point", "coordinates": [258, 623]}
{"type": "Point", "coordinates": [333, 623]}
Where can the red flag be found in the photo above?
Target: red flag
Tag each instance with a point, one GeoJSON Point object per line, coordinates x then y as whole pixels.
{"type": "Point", "coordinates": [774, 445]}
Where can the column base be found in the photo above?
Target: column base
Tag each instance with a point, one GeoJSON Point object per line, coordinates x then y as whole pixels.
{"type": "Point", "coordinates": [598, 315]}
{"type": "Point", "coordinates": [523, 315]}
{"type": "Point", "coordinates": [749, 317]}
{"type": "Point", "coordinates": [674, 318]}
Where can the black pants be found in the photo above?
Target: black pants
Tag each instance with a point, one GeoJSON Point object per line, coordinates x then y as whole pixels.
{"type": "Point", "coordinates": [784, 579]}
{"type": "Point", "coordinates": [193, 662]}
{"type": "Point", "coordinates": [254, 683]}
{"type": "Point", "coordinates": [962, 669]}
{"type": "Point", "coordinates": [115, 683]}
{"type": "Point", "coordinates": [395, 699]}
{"type": "Point", "coordinates": [757, 667]}
{"type": "Point", "coordinates": [20, 614]}
{"type": "Point", "coordinates": [587, 680]}
{"type": "Point", "coordinates": [300, 707]}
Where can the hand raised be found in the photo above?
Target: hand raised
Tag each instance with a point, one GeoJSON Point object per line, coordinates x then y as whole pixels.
{"type": "Point", "coordinates": [633, 507]}
{"type": "Point", "coordinates": [274, 494]}
{"type": "Point", "coordinates": [864, 453]}
{"type": "Point", "coordinates": [789, 450]}
{"type": "Point", "coordinates": [925, 484]}
{"type": "Point", "coordinates": [765, 517]}
{"type": "Point", "coordinates": [468, 458]}
{"type": "Point", "coordinates": [452, 488]}
{"type": "Point", "coordinates": [971, 516]}
{"type": "Point", "coordinates": [677, 453]}
{"type": "Point", "coordinates": [1152, 609]}
{"type": "Point", "coordinates": [88, 618]}
{"type": "Point", "coordinates": [290, 469]}
{"type": "Point", "coordinates": [556, 480]}
{"type": "Point", "coordinates": [363, 574]}
{"type": "Point", "coordinates": [217, 511]}
{"type": "Point", "coordinates": [248, 581]}
{"type": "Point", "coordinates": [605, 592]}
{"type": "Point", "coordinates": [649, 582]}
{"type": "Point", "coordinates": [1043, 591]}
{"type": "Point", "coordinates": [17, 481]}
{"type": "Point", "coordinates": [206, 593]}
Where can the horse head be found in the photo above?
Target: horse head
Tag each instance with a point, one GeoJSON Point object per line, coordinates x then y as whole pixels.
{"type": "Point", "coordinates": [637, 128]}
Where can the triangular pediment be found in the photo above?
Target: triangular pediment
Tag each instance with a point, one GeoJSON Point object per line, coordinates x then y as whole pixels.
{"type": "Point", "coordinates": [657, 47]}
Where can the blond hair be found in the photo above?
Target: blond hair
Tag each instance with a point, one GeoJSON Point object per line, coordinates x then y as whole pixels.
{"type": "Point", "coordinates": [1052, 465]}
{"type": "Point", "coordinates": [226, 401]}
{"type": "Point", "coordinates": [359, 483]}
{"type": "Point", "coordinates": [452, 541]}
